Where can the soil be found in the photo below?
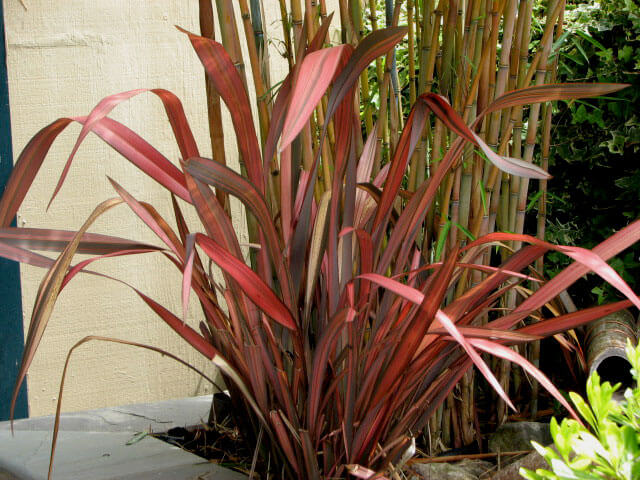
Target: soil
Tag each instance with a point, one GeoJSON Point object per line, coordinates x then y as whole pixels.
{"type": "Point", "coordinates": [218, 444]}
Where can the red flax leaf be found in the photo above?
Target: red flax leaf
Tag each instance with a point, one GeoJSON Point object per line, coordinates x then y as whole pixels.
{"type": "Point", "coordinates": [442, 320]}
{"type": "Point", "coordinates": [374, 45]}
{"type": "Point", "coordinates": [199, 343]}
{"type": "Point", "coordinates": [202, 345]}
{"type": "Point", "coordinates": [57, 240]}
{"type": "Point", "coordinates": [139, 152]}
{"type": "Point", "coordinates": [216, 222]}
{"type": "Point", "coordinates": [120, 138]}
{"type": "Point", "coordinates": [100, 111]}
{"type": "Point", "coordinates": [491, 334]}
{"type": "Point", "coordinates": [190, 254]}
{"type": "Point", "coordinates": [371, 47]}
{"type": "Point", "coordinates": [551, 92]}
{"type": "Point", "coordinates": [440, 107]}
{"type": "Point", "coordinates": [175, 113]}
{"type": "Point", "coordinates": [279, 108]}
{"type": "Point", "coordinates": [221, 176]}
{"type": "Point", "coordinates": [26, 169]}
{"type": "Point", "coordinates": [414, 213]}
{"type": "Point", "coordinates": [152, 219]}
{"type": "Point", "coordinates": [437, 288]}
{"type": "Point", "coordinates": [21, 255]}
{"type": "Point", "coordinates": [366, 259]}
{"type": "Point", "coordinates": [252, 285]}
{"type": "Point", "coordinates": [572, 320]}
{"type": "Point", "coordinates": [227, 81]}
{"type": "Point", "coordinates": [605, 250]}
{"type": "Point", "coordinates": [316, 252]}
{"type": "Point", "coordinates": [583, 256]}
{"type": "Point", "coordinates": [284, 439]}
{"type": "Point", "coordinates": [218, 225]}
{"type": "Point", "coordinates": [82, 265]}
{"type": "Point", "coordinates": [472, 266]}
{"type": "Point", "coordinates": [319, 368]}
{"type": "Point", "coordinates": [506, 353]}
{"type": "Point", "coordinates": [316, 73]}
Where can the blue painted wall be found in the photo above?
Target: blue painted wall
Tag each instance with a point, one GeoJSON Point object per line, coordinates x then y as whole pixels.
{"type": "Point", "coordinates": [11, 327]}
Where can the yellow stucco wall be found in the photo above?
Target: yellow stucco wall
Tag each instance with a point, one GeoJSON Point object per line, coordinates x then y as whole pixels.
{"type": "Point", "coordinates": [63, 57]}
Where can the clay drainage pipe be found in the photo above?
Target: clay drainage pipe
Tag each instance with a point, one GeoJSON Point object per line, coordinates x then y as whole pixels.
{"type": "Point", "coordinates": [606, 341]}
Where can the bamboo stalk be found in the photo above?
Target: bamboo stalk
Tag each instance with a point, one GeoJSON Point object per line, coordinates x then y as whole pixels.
{"type": "Point", "coordinates": [502, 76]}
{"type": "Point", "coordinates": [257, 21]}
{"type": "Point", "coordinates": [261, 97]}
{"type": "Point", "coordinates": [384, 90]}
{"type": "Point", "coordinates": [534, 112]}
{"type": "Point", "coordinates": [383, 130]}
{"type": "Point", "coordinates": [214, 110]}
{"type": "Point", "coordinates": [364, 77]}
{"type": "Point", "coordinates": [532, 125]}
{"type": "Point", "coordinates": [392, 14]}
{"type": "Point", "coordinates": [431, 20]}
{"type": "Point", "coordinates": [230, 36]}
{"type": "Point", "coordinates": [348, 29]}
{"type": "Point", "coordinates": [542, 206]}
{"type": "Point", "coordinates": [231, 43]}
{"type": "Point", "coordinates": [461, 213]}
{"type": "Point", "coordinates": [296, 22]}
{"type": "Point", "coordinates": [286, 33]}
{"type": "Point", "coordinates": [466, 418]}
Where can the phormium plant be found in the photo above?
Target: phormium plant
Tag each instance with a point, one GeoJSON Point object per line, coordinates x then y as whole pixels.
{"type": "Point", "coordinates": [341, 338]}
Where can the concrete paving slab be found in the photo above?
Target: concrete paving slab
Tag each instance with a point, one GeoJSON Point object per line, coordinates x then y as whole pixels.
{"type": "Point", "coordinates": [92, 445]}
{"type": "Point", "coordinates": [143, 417]}
{"type": "Point", "coordinates": [102, 456]}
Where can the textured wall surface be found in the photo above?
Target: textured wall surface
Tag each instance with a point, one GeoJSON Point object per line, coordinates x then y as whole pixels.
{"type": "Point", "coordinates": [63, 57]}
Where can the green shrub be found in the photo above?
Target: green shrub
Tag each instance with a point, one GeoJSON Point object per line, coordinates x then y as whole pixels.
{"type": "Point", "coordinates": [610, 448]}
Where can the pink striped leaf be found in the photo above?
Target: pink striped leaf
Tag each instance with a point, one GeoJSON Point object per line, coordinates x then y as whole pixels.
{"type": "Point", "coordinates": [317, 71]}
{"type": "Point", "coordinates": [230, 86]}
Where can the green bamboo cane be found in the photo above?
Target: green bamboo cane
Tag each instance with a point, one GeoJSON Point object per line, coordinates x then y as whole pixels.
{"type": "Point", "coordinates": [432, 19]}
{"type": "Point", "coordinates": [296, 23]}
{"type": "Point", "coordinates": [533, 124]}
{"type": "Point", "coordinates": [516, 114]}
{"type": "Point", "coordinates": [542, 204]}
{"type": "Point", "coordinates": [365, 94]}
{"type": "Point", "coordinates": [534, 111]}
{"type": "Point", "coordinates": [502, 78]}
{"type": "Point", "coordinates": [286, 33]}
{"type": "Point", "coordinates": [412, 86]}
{"type": "Point", "coordinates": [383, 131]}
